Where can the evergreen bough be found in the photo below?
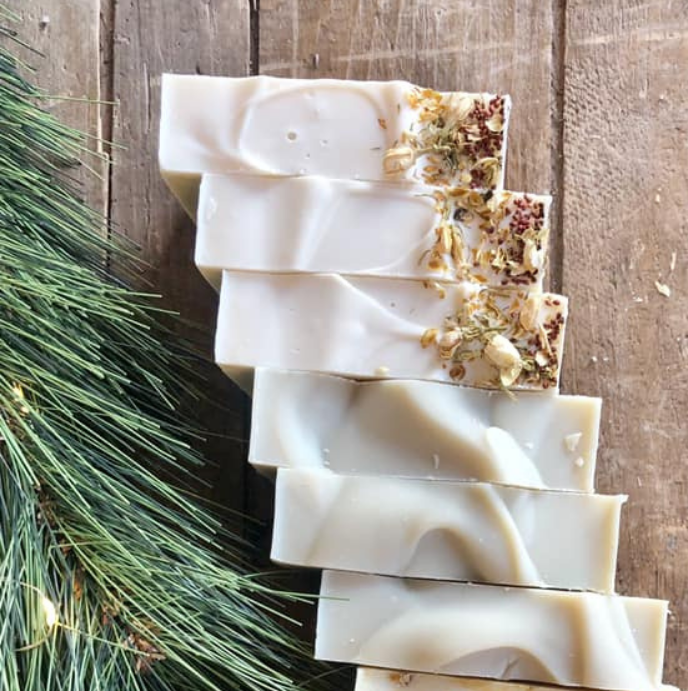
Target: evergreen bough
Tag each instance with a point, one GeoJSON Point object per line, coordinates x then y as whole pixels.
{"type": "Point", "coordinates": [111, 579]}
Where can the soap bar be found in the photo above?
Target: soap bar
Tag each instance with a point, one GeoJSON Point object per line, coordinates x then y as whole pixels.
{"type": "Point", "coordinates": [315, 224]}
{"type": "Point", "coordinates": [423, 429]}
{"type": "Point", "coordinates": [369, 679]}
{"type": "Point", "coordinates": [460, 531]}
{"type": "Point", "coordinates": [553, 637]}
{"type": "Point", "coordinates": [335, 128]}
{"type": "Point", "coordinates": [367, 327]}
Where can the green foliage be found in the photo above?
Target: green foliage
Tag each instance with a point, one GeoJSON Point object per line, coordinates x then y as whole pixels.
{"type": "Point", "coordinates": [145, 596]}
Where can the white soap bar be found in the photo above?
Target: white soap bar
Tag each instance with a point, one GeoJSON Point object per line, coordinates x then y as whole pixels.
{"type": "Point", "coordinates": [554, 637]}
{"type": "Point", "coordinates": [309, 224]}
{"type": "Point", "coordinates": [423, 429]}
{"type": "Point", "coordinates": [367, 327]}
{"type": "Point", "coordinates": [369, 679]}
{"type": "Point", "coordinates": [461, 531]}
{"type": "Point", "coordinates": [335, 128]}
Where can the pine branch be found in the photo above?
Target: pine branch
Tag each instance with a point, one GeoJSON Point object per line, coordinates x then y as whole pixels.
{"type": "Point", "coordinates": [144, 594]}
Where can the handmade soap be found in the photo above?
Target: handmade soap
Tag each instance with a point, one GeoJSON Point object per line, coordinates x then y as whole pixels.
{"type": "Point", "coordinates": [309, 224]}
{"type": "Point", "coordinates": [460, 531]}
{"type": "Point", "coordinates": [423, 429]}
{"type": "Point", "coordinates": [334, 128]}
{"type": "Point", "coordinates": [553, 637]}
{"type": "Point", "coordinates": [367, 327]}
{"type": "Point", "coordinates": [369, 679]}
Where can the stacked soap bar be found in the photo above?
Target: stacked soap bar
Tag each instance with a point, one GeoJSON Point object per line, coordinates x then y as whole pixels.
{"type": "Point", "coordinates": [442, 530]}
{"type": "Point", "coordinates": [370, 229]}
{"type": "Point", "coordinates": [369, 679]}
{"type": "Point", "coordinates": [556, 637]}
{"type": "Point", "coordinates": [423, 430]}
{"type": "Point", "coordinates": [332, 128]}
{"type": "Point", "coordinates": [371, 327]}
{"type": "Point", "coordinates": [362, 230]}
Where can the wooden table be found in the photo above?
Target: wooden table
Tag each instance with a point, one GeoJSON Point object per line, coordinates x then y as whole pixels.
{"type": "Point", "coordinates": [600, 118]}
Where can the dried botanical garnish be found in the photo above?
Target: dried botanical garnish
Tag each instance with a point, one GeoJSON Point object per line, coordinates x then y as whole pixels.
{"type": "Point", "coordinates": [401, 678]}
{"type": "Point", "coordinates": [490, 238]}
{"type": "Point", "coordinates": [398, 159]}
{"type": "Point", "coordinates": [459, 137]}
{"type": "Point", "coordinates": [502, 353]}
{"type": "Point", "coordinates": [510, 338]}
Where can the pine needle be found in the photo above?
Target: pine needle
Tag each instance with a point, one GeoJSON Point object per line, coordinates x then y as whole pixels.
{"type": "Point", "coordinates": [142, 590]}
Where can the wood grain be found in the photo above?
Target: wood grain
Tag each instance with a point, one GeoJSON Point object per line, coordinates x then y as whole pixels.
{"type": "Point", "coordinates": [625, 181]}
{"type": "Point", "coordinates": [67, 33]}
{"type": "Point", "coordinates": [151, 37]}
{"type": "Point", "coordinates": [503, 46]}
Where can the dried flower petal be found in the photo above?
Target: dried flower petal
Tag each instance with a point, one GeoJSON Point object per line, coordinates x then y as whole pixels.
{"type": "Point", "coordinates": [495, 123]}
{"type": "Point", "coordinates": [457, 250]}
{"type": "Point", "coordinates": [502, 353]}
{"type": "Point", "coordinates": [449, 342]}
{"type": "Point", "coordinates": [541, 358]}
{"type": "Point", "coordinates": [533, 259]}
{"type": "Point", "coordinates": [528, 317]}
{"type": "Point", "coordinates": [398, 160]}
{"type": "Point", "coordinates": [490, 169]}
{"type": "Point", "coordinates": [445, 239]}
{"type": "Point", "coordinates": [436, 263]}
{"type": "Point", "coordinates": [429, 337]}
{"type": "Point", "coordinates": [460, 107]}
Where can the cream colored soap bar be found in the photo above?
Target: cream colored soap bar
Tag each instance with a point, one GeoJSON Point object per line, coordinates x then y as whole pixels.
{"type": "Point", "coordinates": [309, 224]}
{"type": "Point", "coordinates": [461, 531]}
{"type": "Point", "coordinates": [367, 327]}
{"type": "Point", "coordinates": [341, 129]}
{"type": "Point", "coordinates": [553, 637]}
{"type": "Point", "coordinates": [422, 429]}
{"type": "Point", "coordinates": [368, 679]}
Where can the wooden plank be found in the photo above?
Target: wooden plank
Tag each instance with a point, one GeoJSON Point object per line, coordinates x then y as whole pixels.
{"type": "Point", "coordinates": [151, 37]}
{"type": "Point", "coordinates": [67, 33]}
{"type": "Point", "coordinates": [626, 173]}
{"type": "Point", "coordinates": [505, 46]}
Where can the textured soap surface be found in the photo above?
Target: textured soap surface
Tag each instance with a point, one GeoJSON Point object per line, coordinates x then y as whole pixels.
{"type": "Point", "coordinates": [553, 637]}
{"type": "Point", "coordinates": [259, 223]}
{"type": "Point", "coordinates": [368, 327]}
{"type": "Point", "coordinates": [334, 128]}
{"type": "Point", "coordinates": [442, 530]}
{"type": "Point", "coordinates": [369, 679]}
{"type": "Point", "coordinates": [422, 429]}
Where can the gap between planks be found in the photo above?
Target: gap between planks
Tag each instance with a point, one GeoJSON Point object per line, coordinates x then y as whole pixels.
{"type": "Point", "coordinates": [106, 78]}
{"type": "Point", "coordinates": [254, 37]}
{"type": "Point", "coordinates": [556, 261]}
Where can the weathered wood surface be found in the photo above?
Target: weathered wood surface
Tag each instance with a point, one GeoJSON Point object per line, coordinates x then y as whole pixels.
{"type": "Point", "coordinates": [150, 37]}
{"type": "Point", "coordinates": [624, 211]}
{"type": "Point", "coordinates": [67, 33]}
{"type": "Point", "coordinates": [600, 117]}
